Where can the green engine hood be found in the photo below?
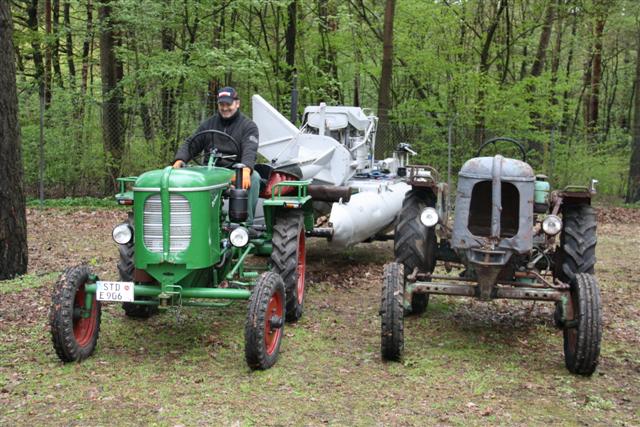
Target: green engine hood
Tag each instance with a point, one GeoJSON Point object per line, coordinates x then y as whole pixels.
{"type": "Point", "coordinates": [194, 178]}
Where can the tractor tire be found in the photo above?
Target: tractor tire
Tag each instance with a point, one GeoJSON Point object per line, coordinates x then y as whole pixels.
{"type": "Point", "coordinates": [74, 336]}
{"type": "Point", "coordinates": [391, 312]}
{"type": "Point", "coordinates": [583, 333]}
{"type": "Point", "coordinates": [264, 328]}
{"type": "Point", "coordinates": [419, 303]}
{"type": "Point", "coordinates": [288, 259]}
{"type": "Point", "coordinates": [577, 252]}
{"type": "Point", "coordinates": [126, 269]}
{"type": "Point", "coordinates": [414, 244]}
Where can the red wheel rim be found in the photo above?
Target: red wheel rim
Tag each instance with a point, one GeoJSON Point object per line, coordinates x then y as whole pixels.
{"type": "Point", "coordinates": [275, 308]}
{"type": "Point", "coordinates": [302, 266]}
{"type": "Point", "coordinates": [84, 327]}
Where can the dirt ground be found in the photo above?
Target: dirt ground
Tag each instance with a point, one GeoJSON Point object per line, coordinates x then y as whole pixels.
{"type": "Point", "coordinates": [466, 362]}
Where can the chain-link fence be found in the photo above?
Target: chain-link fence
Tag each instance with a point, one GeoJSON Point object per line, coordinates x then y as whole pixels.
{"type": "Point", "coordinates": [82, 141]}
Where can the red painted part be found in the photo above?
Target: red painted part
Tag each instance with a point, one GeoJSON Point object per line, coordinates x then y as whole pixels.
{"type": "Point", "coordinates": [302, 265]}
{"type": "Point", "coordinates": [276, 178]}
{"type": "Point", "coordinates": [272, 336]}
{"type": "Point", "coordinates": [84, 327]}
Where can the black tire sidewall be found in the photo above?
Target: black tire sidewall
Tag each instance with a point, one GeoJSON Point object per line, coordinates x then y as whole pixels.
{"type": "Point", "coordinates": [61, 315]}
{"type": "Point", "coordinates": [256, 355]}
{"type": "Point", "coordinates": [582, 341]}
{"type": "Point", "coordinates": [284, 258]}
{"type": "Point", "coordinates": [392, 313]}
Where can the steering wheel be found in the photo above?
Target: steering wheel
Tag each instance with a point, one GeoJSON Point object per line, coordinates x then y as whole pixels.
{"type": "Point", "coordinates": [200, 158]}
{"type": "Point", "coordinates": [502, 138]}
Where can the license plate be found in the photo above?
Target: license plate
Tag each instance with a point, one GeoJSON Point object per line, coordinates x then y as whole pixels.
{"type": "Point", "coordinates": [114, 291]}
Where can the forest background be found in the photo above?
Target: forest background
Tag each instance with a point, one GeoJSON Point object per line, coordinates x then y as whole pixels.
{"type": "Point", "coordinates": [111, 88]}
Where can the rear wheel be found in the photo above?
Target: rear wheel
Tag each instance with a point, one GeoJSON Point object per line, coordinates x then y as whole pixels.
{"type": "Point", "coordinates": [265, 322]}
{"type": "Point", "coordinates": [414, 244]}
{"type": "Point", "coordinates": [583, 329]}
{"type": "Point", "coordinates": [74, 326]}
{"type": "Point", "coordinates": [391, 312]}
{"type": "Point", "coordinates": [577, 252]}
{"type": "Point", "coordinates": [288, 259]}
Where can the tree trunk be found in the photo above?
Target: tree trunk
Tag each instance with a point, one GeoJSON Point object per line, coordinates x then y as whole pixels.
{"type": "Point", "coordinates": [69, 43]}
{"type": "Point", "coordinates": [87, 48]}
{"type": "Point", "coordinates": [565, 96]}
{"type": "Point", "coordinates": [13, 221]}
{"type": "Point", "coordinates": [167, 95]}
{"type": "Point", "coordinates": [386, 75]}
{"type": "Point", "coordinates": [538, 64]}
{"type": "Point", "coordinates": [327, 61]}
{"type": "Point", "coordinates": [112, 117]}
{"type": "Point", "coordinates": [586, 89]}
{"type": "Point", "coordinates": [32, 23]}
{"type": "Point", "coordinates": [55, 51]}
{"type": "Point", "coordinates": [555, 58]}
{"type": "Point", "coordinates": [484, 70]}
{"type": "Point", "coordinates": [47, 50]}
{"type": "Point", "coordinates": [633, 189]}
{"type": "Point", "coordinates": [145, 113]}
{"type": "Point", "coordinates": [214, 83]}
{"type": "Point", "coordinates": [596, 77]}
{"type": "Point", "coordinates": [290, 47]}
{"type": "Point", "coordinates": [610, 92]}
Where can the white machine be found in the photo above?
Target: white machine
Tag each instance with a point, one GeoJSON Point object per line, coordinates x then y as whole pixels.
{"type": "Point", "coordinates": [335, 147]}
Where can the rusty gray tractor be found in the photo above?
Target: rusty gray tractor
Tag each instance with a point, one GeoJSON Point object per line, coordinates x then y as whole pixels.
{"type": "Point", "coordinates": [511, 238]}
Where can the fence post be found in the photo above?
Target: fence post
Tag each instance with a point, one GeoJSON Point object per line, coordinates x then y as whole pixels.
{"type": "Point", "coordinates": [41, 145]}
{"type": "Point", "coordinates": [552, 159]}
{"type": "Point", "coordinates": [450, 142]}
{"type": "Point", "coordinates": [294, 99]}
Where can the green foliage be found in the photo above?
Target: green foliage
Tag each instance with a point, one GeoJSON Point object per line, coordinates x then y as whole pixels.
{"type": "Point", "coordinates": [607, 162]}
{"type": "Point", "coordinates": [174, 53]}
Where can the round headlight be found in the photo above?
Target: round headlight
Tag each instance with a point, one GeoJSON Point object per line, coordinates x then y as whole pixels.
{"type": "Point", "coordinates": [122, 234]}
{"type": "Point", "coordinates": [429, 217]}
{"type": "Point", "coordinates": [239, 237]}
{"type": "Point", "coordinates": [552, 225]}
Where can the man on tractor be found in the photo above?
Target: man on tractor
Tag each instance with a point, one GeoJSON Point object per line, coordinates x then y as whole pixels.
{"type": "Point", "coordinates": [242, 130]}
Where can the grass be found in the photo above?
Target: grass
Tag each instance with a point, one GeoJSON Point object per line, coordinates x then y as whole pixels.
{"type": "Point", "coordinates": [27, 281]}
{"type": "Point", "coordinates": [466, 362]}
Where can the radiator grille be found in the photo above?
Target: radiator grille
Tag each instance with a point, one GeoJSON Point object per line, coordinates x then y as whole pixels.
{"type": "Point", "coordinates": [180, 228]}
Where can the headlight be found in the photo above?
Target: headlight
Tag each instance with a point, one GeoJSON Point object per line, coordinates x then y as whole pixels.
{"type": "Point", "coordinates": [429, 217]}
{"type": "Point", "coordinates": [239, 237]}
{"type": "Point", "coordinates": [552, 225]}
{"type": "Point", "coordinates": [122, 234]}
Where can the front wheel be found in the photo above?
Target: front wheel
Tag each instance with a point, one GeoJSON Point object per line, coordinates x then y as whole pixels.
{"type": "Point", "coordinates": [392, 313]}
{"type": "Point", "coordinates": [74, 326]}
{"type": "Point", "coordinates": [288, 259]}
{"type": "Point", "coordinates": [583, 329]}
{"type": "Point", "coordinates": [265, 322]}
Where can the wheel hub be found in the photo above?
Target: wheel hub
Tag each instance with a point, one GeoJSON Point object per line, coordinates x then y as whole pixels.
{"type": "Point", "coordinates": [276, 322]}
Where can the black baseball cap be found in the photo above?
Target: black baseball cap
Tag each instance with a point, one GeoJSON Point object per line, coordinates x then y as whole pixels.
{"type": "Point", "coordinates": [227, 94]}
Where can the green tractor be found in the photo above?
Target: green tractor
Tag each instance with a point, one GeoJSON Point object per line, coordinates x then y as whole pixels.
{"type": "Point", "coordinates": [186, 243]}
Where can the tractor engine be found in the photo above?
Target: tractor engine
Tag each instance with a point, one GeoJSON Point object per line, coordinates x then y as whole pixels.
{"type": "Point", "coordinates": [177, 219]}
{"type": "Point", "coordinates": [494, 215]}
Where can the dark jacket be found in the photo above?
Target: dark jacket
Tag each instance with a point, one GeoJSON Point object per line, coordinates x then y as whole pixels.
{"type": "Point", "coordinates": [240, 127]}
